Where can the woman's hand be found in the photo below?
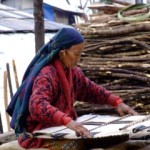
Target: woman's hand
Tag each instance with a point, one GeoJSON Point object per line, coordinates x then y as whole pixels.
{"type": "Point", "coordinates": [79, 128]}
{"type": "Point", "coordinates": [123, 109]}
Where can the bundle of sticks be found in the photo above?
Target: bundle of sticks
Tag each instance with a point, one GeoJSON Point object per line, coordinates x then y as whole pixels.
{"type": "Point", "coordinates": [117, 56]}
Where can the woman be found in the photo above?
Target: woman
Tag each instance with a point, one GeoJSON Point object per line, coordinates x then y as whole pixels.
{"type": "Point", "coordinates": [50, 86]}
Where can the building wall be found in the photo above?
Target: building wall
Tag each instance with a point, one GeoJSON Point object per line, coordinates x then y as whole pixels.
{"type": "Point", "coordinates": [60, 17]}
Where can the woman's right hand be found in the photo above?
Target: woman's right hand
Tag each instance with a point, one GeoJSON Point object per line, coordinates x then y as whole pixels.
{"type": "Point", "coordinates": [79, 128]}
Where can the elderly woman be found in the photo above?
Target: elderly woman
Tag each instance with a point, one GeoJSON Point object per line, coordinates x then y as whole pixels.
{"type": "Point", "coordinates": [50, 86]}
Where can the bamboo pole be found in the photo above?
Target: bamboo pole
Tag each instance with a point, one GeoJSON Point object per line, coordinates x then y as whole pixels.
{"type": "Point", "coordinates": [6, 100]}
{"type": "Point", "coordinates": [15, 74]}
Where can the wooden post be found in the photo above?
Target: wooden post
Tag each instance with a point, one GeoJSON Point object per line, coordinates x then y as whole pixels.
{"type": "Point", "coordinates": [15, 74]}
{"type": "Point", "coordinates": [6, 100]}
{"type": "Point", "coordinates": [38, 24]}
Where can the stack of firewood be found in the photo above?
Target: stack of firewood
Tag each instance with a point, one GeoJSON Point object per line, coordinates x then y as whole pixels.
{"type": "Point", "coordinates": [117, 56]}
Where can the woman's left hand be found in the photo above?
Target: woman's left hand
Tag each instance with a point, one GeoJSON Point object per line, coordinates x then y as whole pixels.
{"type": "Point", "coordinates": [123, 109]}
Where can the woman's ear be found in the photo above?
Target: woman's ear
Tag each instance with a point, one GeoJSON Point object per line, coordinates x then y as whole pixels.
{"type": "Point", "coordinates": [62, 54]}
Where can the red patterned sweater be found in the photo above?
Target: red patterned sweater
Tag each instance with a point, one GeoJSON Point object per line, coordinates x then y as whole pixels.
{"type": "Point", "coordinates": [48, 105]}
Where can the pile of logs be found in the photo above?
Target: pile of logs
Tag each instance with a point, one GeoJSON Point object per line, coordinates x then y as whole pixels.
{"type": "Point", "coordinates": [117, 56]}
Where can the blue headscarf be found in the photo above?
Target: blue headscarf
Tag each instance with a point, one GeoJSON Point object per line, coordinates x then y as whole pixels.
{"type": "Point", "coordinates": [18, 107]}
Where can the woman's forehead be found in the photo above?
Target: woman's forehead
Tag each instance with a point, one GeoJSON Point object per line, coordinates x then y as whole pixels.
{"type": "Point", "coordinates": [78, 46]}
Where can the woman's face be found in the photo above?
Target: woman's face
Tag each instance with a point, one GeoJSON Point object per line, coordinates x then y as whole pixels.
{"type": "Point", "coordinates": [70, 57]}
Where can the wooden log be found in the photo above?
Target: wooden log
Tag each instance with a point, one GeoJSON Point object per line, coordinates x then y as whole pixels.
{"type": "Point", "coordinates": [118, 40]}
{"type": "Point", "coordinates": [124, 87]}
{"type": "Point", "coordinates": [134, 97]}
{"type": "Point", "coordinates": [140, 59]}
{"type": "Point", "coordinates": [114, 22]}
{"type": "Point", "coordinates": [100, 18]}
{"type": "Point", "coordinates": [139, 91]}
{"type": "Point", "coordinates": [127, 76]}
{"type": "Point", "coordinates": [115, 70]}
{"type": "Point", "coordinates": [124, 30]}
{"type": "Point", "coordinates": [93, 108]}
{"type": "Point", "coordinates": [134, 12]}
{"type": "Point", "coordinates": [107, 9]}
{"type": "Point", "coordinates": [118, 51]}
{"type": "Point", "coordinates": [130, 45]}
{"type": "Point", "coordinates": [130, 54]}
{"type": "Point", "coordinates": [114, 82]}
{"type": "Point", "coordinates": [111, 64]}
{"type": "Point", "coordinates": [145, 36]}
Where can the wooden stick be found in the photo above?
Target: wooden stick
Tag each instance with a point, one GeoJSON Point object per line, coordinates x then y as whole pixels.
{"type": "Point", "coordinates": [1, 127]}
{"type": "Point", "coordinates": [15, 74]}
{"type": "Point", "coordinates": [141, 43]}
{"type": "Point", "coordinates": [9, 80]}
{"type": "Point", "coordinates": [6, 100]}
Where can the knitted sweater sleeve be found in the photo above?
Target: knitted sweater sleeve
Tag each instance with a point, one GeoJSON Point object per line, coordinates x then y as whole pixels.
{"type": "Point", "coordinates": [40, 106]}
{"type": "Point", "coordinates": [88, 91]}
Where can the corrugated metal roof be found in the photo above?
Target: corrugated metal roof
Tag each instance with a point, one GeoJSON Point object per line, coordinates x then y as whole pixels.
{"type": "Point", "coordinates": [13, 20]}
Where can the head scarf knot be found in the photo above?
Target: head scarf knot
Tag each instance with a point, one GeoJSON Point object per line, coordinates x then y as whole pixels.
{"type": "Point", "coordinates": [18, 107]}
